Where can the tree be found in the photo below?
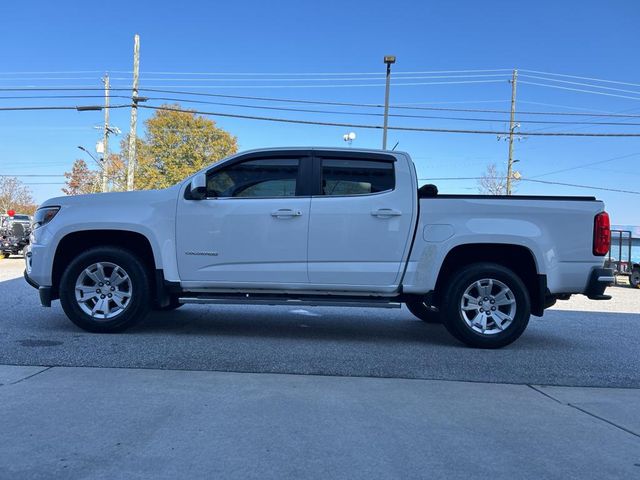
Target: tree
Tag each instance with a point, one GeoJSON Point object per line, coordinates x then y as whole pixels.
{"type": "Point", "coordinates": [116, 170]}
{"type": "Point", "coordinates": [177, 144]}
{"type": "Point", "coordinates": [494, 182]}
{"type": "Point", "coordinates": [81, 180]}
{"type": "Point", "coordinates": [14, 195]}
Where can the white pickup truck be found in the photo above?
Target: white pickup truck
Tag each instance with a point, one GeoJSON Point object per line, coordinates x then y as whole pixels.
{"type": "Point", "coordinates": [319, 226]}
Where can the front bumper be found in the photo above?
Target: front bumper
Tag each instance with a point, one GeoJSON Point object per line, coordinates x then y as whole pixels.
{"type": "Point", "coordinates": [599, 280]}
{"type": "Point", "coordinates": [46, 294]}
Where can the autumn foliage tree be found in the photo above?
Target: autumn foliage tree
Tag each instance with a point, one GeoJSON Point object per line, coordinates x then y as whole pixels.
{"type": "Point", "coordinates": [14, 195]}
{"type": "Point", "coordinates": [177, 144]}
{"type": "Point", "coordinates": [81, 179]}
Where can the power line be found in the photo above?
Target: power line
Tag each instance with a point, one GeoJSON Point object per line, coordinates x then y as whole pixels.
{"type": "Point", "coordinates": [414, 129]}
{"type": "Point", "coordinates": [582, 78]}
{"type": "Point", "coordinates": [269, 79]}
{"type": "Point", "coordinates": [330, 85]}
{"type": "Point", "coordinates": [47, 78]}
{"type": "Point", "coordinates": [334, 112]}
{"type": "Point", "coordinates": [45, 183]}
{"type": "Point", "coordinates": [316, 102]}
{"type": "Point", "coordinates": [584, 110]}
{"type": "Point", "coordinates": [568, 169]}
{"type": "Point", "coordinates": [312, 73]}
{"type": "Point", "coordinates": [580, 90]}
{"type": "Point", "coordinates": [590, 187]}
{"type": "Point", "coordinates": [59, 72]}
{"type": "Point", "coordinates": [583, 84]}
{"type": "Point", "coordinates": [278, 79]}
{"type": "Point", "coordinates": [376, 105]}
{"type": "Point", "coordinates": [41, 97]}
{"type": "Point", "coordinates": [63, 107]}
{"type": "Point", "coordinates": [634, 192]}
{"type": "Point", "coordinates": [30, 175]}
{"type": "Point", "coordinates": [47, 88]}
{"type": "Point", "coordinates": [86, 87]}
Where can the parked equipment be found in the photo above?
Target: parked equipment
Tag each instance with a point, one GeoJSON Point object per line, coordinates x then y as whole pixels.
{"type": "Point", "coordinates": [14, 233]}
{"type": "Point", "coordinates": [619, 258]}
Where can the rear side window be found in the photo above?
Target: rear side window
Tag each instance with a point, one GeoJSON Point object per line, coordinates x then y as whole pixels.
{"type": "Point", "coordinates": [255, 178]}
{"type": "Point", "coordinates": [356, 177]}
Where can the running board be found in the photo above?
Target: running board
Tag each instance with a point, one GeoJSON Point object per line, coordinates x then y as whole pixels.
{"type": "Point", "coordinates": [298, 301]}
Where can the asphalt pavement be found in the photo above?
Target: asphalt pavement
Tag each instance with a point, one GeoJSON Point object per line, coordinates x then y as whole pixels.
{"type": "Point", "coordinates": [564, 348]}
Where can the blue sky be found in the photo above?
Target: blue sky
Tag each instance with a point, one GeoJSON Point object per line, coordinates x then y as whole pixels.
{"type": "Point", "coordinates": [584, 38]}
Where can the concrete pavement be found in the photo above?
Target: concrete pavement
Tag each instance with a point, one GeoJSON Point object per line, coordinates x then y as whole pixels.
{"type": "Point", "coordinates": [101, 423]}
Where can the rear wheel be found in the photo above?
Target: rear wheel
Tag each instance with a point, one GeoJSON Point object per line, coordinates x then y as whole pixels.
{"type": "Point", "coordinates": [105, 290]}
{"type": "Point", "coordinates": [424, 312]}
{"type": "Point", "coordinates": [486, 306]}
{"type": "Point", "coordinates": [634, 279]}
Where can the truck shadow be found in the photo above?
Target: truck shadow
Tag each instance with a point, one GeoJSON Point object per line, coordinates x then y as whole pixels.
{"type": "Point", "coordinates": [338, 325]}
{"type": "Point", "coordinates": [20, 307]}
{"type": "Point", "coordinates": [344, 325]}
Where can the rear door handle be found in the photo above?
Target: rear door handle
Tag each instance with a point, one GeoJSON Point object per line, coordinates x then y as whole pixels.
{"type": "Point", "coordinates": [286, 213]}
{"type": "Point", "coordinates": [386, 212]}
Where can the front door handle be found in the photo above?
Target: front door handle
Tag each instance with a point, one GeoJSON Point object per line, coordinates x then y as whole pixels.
{"type": "Point", "coordinates": [386, 213]}
{"type": "Point", "coordinates": [286, 213]}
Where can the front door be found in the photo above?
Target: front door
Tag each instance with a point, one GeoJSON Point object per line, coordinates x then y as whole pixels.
{"type": "Point", "coordinates": [251, 230]}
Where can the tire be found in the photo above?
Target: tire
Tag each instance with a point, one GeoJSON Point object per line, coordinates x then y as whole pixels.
{"type": "Point", "coordinates": [634, 279]}
{"type": "Point", "coordinates": [130, 299]}
{"type": "Point", "coordinates": [6, 254]}
{"type": "Point", "coordinates": [506, 294]}
{"type": "Point", "coordinates": [423, 311]}
{"type": "Point", "coordinates": [173, 304]}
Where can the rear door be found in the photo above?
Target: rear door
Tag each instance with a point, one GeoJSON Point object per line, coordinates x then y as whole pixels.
{"type": "Point", "coordinates": [361, 220]}
{"type": "Point", "coordinates": [251, 230]}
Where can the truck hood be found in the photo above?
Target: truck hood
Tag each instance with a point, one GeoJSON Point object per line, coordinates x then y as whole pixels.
{"type": "Point", "coordinates": [114, 199]}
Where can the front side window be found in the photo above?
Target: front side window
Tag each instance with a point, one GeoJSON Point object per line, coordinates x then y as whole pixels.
{"type": "Point", "coordinates": [255, 178]}
{"type": "Point", "coordinates": [356, 177]}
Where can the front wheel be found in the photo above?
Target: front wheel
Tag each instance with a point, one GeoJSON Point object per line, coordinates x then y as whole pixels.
{"type": "Point", "coordinates": [486, 306]}
{"type": "Point", "coordinates": [634, 279]}
{"type": "Point", "coordinates": [105, 290]}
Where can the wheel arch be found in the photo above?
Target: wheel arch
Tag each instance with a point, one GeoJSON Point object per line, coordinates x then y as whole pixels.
{"type": "Point", "coordinates": [518, 258]}
{"type": "Point", "coordinates": [77, 242]}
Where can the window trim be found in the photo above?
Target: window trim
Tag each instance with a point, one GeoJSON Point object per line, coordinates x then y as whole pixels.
{"type": "Point", "coordinates": [297, 179]}
{"type": "Point", "coordinates": [355, 156]}
{"type": "Point", "coordinates": [303, 180]}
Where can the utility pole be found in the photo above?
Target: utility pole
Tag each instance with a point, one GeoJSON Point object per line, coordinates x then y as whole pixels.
{"type": "Point", "coordinates": [512, 127]}
{"type": "Point", "coordinates": [105, 141]}
{"type": "Point", "coordinates": [134, 113]}
{"type": "Point", "coordinates": [389, 60]}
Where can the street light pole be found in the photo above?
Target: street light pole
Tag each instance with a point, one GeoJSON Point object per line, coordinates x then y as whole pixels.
{"type": "Point", "coordinates": [389, 60]}
{"type": "Point", "coordinates": [101, 165]}
{"type": "Point", "coordinates": [89, 153]}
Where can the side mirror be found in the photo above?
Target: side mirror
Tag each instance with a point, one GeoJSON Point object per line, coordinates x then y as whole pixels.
{"type": "Point", "coordinates": [199, 186]}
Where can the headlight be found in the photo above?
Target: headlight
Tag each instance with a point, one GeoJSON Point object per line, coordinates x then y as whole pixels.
{"type": "Point", "coordinates": [44, 215]}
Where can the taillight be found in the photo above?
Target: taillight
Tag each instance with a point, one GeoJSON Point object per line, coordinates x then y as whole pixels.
{"type": "Point", "coordinates": [601, 234]}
